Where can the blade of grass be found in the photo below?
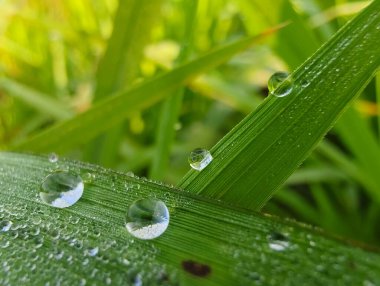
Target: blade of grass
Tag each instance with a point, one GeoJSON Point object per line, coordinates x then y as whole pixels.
{"type": "Point", "coordinates": [110, 111]}
{"type": "Point", "coordinates": [206, 242]}
{"type": "Point", "coordinates": [170, 108]}
{"type": "Point", "coordinates": [287, 41]}
{"type": "Point", "coordinates": [345, 9]}
{"type": "Point", "coordinates": [315, 175]}
{"type": "Point", "coordinates": [341, 161]}
{"type": "Point", "coordinates": [329, 215]}
{"type": "Point", "coordinates": [256, 157]}
{"type": "Point", "coordinates": [233, 95]}
{"type": "Point", "coordinates": [120, 64]}
{"type": "Point", "coordinates": [39, 101]}
{"type": "Point", "coordinates": [363, 145]}
{"type": "Point", "coordinates": [378, 103]}
{"type": "Point", "coordinates": [297, 204]}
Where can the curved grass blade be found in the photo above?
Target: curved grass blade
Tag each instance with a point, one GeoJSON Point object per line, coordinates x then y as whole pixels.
{"type": "Point", "coordinates": [108, 112]}
{"type": "Point", "coordinates": [119, 66]}
{"type": "Point", "coordinates": [36, 99]}
{"type": "Point", "coordinates": [257, 156]}
{"type": "Point", "coordinates": [206, 242]}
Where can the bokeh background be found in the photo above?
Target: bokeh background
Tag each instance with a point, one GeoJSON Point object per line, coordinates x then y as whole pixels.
{"type": "Point", "coordinates": [59, 57]}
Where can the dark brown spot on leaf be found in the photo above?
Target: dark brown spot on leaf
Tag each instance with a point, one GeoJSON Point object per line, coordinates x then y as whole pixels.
{"type": "Point", "coordinates": [195, 268]}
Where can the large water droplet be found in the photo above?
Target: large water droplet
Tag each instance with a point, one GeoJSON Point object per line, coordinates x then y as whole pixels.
{"type": "Point", "coordinates": [199, 159]}
{"type": "Point", "coordinates": [278, 241]}
{"type": "Point", "coordinates": [61, 189]}
{"type": "Point", "coordinates": [280, 84]}
{"type": "Point", "coordinates": [147, 218]}
{"type": "Point", "coordinates": [5, 225]}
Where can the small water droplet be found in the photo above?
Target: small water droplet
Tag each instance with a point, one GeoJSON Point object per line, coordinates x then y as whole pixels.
{"type": "Point", "coordinates": [4, 244]}
{"type": "Point", "coordinates": [305, 83]}
{"type": "Point", "coordinates": [130, 174]}
{"type": "Point", "coordinates": [138, 280]}
{"type": "Point", "coordinates": [199, 159]}
{"type": "Point", "coordinates": [92, 251]}
{"type": "Point", "coordinates": [89, 177]}
{"type": "Point", "coordinates": [5, 225]}
{"type": "Point", "coordinates": [147, 218]}
{"type": "Point", "coordinates": [278, 241]}
{"type": "Point", "coordinates": [59, 254]}
{"type": "Point", "coordinates": [39, 241]}
{"type": "Point", "coordinates": [61, 189]}
{"type": "Point", "coordinates": [280, 84]}
{"type": "Point", "coordinates": [53, 158]}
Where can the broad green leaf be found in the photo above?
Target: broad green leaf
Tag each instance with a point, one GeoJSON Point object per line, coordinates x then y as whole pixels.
{"type": "Point", "coordinates": [257, 156]}
{"type": "Point", "coordinates": [206, 243]}
{"type": "Point", "coordinates": [110, 111]}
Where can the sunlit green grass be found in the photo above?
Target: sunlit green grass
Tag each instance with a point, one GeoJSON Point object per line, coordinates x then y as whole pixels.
{"type": "Point", "coordinates": [100, 83]}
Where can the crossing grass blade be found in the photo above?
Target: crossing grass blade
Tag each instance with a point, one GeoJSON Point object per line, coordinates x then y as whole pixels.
{"type": "Point", "coordinates": [108, 112]}
{"type": "Point", "coordinates": [258, 155]}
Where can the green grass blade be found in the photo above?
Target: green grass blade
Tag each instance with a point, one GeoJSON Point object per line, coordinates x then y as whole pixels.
{"type": "Point", "coordinates": [170, 108]}
{"type": "Point", "coordinates": [37, 100]}
{"type": "Point", "coordinates": [110, 111]}
{"type": "Point", "coordinates": [349, 167]}
{"type": "Point", "coordinates": [378, 102]}
{"type": "Point", "coordinates": [309, 175]}
{"type": "Point", "coordinates": [233, 95]}
{"type": "Point", "coordinates": [257, 156]}
{"type": "Point", "coordinates": [363, 145]}
{"type": "Point", "coordinates": [206, 243]}
{"type": "Point", "coordinates": [119, 66]}
{"type": "Point", "coordinates": [298, 204]}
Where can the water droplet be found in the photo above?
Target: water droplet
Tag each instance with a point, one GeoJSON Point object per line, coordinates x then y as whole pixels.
{"type": "Point", "coordinates": [280, 84]}
{"type": "Point", "coordinates": [147, 218]}
{"type": "Point", "coordinates": [92, 251]}
{"type": "Point", "coordinates": [278, 241]}
{"type": "Point", "coordinates": [5, 225]}
{"type": "Point", "coordinates": [53, 158]}
{"type": "Point", "coordinates": [59, 254]}
{"type": "Point", "coordinates": [89, 177]}
{"type": "Point", "coordinates": [39, 241]}
{"type": "Point", "coordinates": [61, 189]}
{"type": "Point", "coordinates": [305, 83]}
{"type": "Point", "coordinates": [4, 244]}
{"type": "Point", "coordinates": [199, 159]}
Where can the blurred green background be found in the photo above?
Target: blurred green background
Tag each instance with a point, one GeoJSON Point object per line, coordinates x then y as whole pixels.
{"type": "Point", "coordinates": [58, 58]}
